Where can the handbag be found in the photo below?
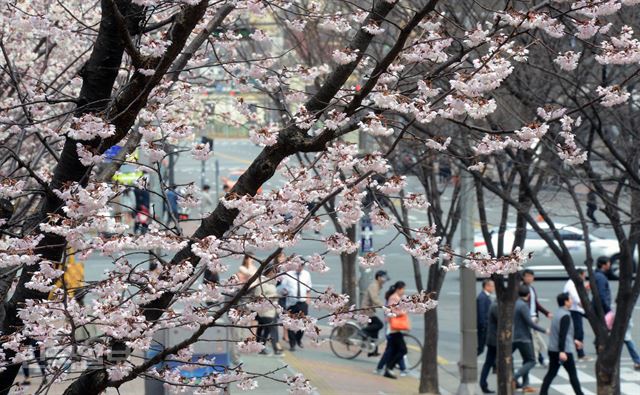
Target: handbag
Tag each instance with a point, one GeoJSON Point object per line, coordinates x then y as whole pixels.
{"type": "Point", "coordinates": [400, 323]}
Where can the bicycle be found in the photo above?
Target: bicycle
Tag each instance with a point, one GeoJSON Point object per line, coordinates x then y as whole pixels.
{"type": "Point", "coordinates": [349, 341]}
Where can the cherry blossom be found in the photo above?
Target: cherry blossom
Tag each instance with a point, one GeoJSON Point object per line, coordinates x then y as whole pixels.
{"type": "Point", "coordinates": [567, 61]}
{"type": "Point", "coordinates": [371, 260]}
{"type": "Point", "coordinates": [612, 95]}
{"type": "Point", "coordinates": [345, 56]}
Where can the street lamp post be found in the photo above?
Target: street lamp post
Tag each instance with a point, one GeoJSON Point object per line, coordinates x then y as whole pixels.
{"type": "Point", "coordinates": [468, 352]}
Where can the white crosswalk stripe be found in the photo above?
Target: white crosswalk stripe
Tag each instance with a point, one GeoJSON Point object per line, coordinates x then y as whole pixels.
{"type": "Point", "coordinates": [629, 380]}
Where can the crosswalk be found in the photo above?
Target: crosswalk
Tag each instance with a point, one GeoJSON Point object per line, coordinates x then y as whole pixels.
{"type": "Point", "coordinates": [629, 379]}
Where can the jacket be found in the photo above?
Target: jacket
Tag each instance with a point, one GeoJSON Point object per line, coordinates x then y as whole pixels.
{"type": "Point", "coordinates": [561, 334]}
{"type": "Point", "coordinates": [371, 299]}
{"type": "Point", "coordinates": [522, 323]}
{"type": "Point", "coordinates": [483, 302]}
{"type": "Point", "coordinates": [492, 327]}
{"type": "Point", "coordinates": [602, 283]}
{"type": "Point", "coordinates": [538, 307]}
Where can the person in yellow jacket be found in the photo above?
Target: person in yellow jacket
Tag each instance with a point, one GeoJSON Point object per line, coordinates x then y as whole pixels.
{"type": "Point", "coordinates": [73, 278]}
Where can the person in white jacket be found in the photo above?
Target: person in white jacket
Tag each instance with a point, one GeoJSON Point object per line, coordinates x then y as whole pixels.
{"type": "Point", "coordinates": [577, 312]}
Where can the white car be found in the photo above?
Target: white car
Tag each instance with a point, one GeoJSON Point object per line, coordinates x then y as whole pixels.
{"type": "Point", "coordinates": [544, 262]}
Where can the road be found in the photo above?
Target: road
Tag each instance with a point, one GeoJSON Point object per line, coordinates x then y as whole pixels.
{"type": "Point", "coordinates": [237, 154]}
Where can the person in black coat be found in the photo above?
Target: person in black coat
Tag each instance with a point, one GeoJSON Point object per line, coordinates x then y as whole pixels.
{"type": "Point", "coordinates": [492, 348]}
{"type": "Point", "coordinates": [483, 302]}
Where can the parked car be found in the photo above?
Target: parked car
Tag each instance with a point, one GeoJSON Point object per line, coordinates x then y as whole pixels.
{"type": "Point", "coordinates": [544, 262]}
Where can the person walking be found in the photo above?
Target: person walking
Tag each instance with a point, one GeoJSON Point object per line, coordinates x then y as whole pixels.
{"type": "Point", "coordinates": [592, 207]}
{"type": "Point", "coordinates": [206, 201]}
{"type": "Point", "coordinates": [398, 323]}
{"type": "Point", "coordinates": [577, 312]}
{"type": "Point", "coordinates": [628, 340]}
{"type": "Point", "coordinates": [296, 287]}
{"type": "Point", "coordinates": [492, 350]}
{"type": "Point", "coordinates": [370, 302]}
{"type": "Point", "coordinates": [601, 277]}
{"type": "Point", "coordinates": [522, 340]}
{"type": "Point", "coordinates": [267, 317]}
{"type": "Point", "coordinates": [539, 345]}
{"type": "Point", "coordinates": [631, 347]}
{"type": "Point", "coordinates": [561, 342]}
{"type": "Point", "coordinates": [483, 302]}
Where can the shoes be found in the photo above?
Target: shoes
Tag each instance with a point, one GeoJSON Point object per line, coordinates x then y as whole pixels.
{"type": "Point", "coordinates": [486, 390]}
{"type": "Point", "coordinates": [585, 359]}
{"type": "Point", "coordinates": [264, 352]}
{"type": "Point", "coordinates": [300, 344]}
{"type": "Point", "coordinates": [26, 382]}
{"type": "Point", "coordinates": [529, 390]}
{"type": "Point", "coordinates": [636, 366]}
{"type": "Point", "coordinates": [388, 374]}
{"type": "Point", "coordinates": [404, 373]}
{"type": "Point", "coordinates": [378, 371]}
{"type": "Point", "coordinates": [292, 348]}
{"type": "Point", "coordinates": [373, 354]}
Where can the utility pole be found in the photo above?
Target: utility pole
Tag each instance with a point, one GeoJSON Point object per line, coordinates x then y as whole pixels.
{"type": "Point", "coordinates": [468, 321]}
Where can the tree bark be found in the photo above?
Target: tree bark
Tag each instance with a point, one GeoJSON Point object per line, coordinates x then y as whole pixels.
{"type": "Point", "coordinates": [349, 276]}
{"type": "Point", "coordinates": [506, 296]}
{"type": "Point", "coordinates": [429, 383]}
{"type": "Point", "coordinates": [98, 75]}
{"type": "Point", "coordinates": [607, 376]}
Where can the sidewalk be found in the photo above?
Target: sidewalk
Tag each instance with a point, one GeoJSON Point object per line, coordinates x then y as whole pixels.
{"type": "Point", "coordinates": [332, 375]}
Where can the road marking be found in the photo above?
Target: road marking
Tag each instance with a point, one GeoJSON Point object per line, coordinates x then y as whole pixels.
{"type": "Point", "coordinates": [567, 389]}
{"type": "Point", "coordinates": [627, 374]}
{"type": "Point", "coordinates": [533, 379]}
{"type": "Point", "coordinates": [630, 388]}
{"type": "Point", "coordinates": [233, 158]}
{"type": "Point", "coordinates": [582, 376]}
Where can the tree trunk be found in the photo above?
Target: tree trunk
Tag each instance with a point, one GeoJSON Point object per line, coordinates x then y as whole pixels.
{"type": "Point", "coordinates": [429, 372]}
{"type": "Point", "coordinates": [349, 277]}
{"type": "Point", "coordinates": [607, 375]}
{"type": "Point", "coordinates": [506, 296]}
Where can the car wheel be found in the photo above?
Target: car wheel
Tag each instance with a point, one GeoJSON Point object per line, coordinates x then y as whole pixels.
{"type": "Point", "coordinates": [614, 273]}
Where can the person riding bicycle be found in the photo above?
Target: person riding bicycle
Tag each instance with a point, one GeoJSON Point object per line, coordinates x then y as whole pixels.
{"type": "Point", "coordinates": [370, 302]}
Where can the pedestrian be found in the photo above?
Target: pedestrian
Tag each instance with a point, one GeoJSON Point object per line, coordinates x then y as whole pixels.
{"type": "Point", "coordinates": [206, 201]}
{"type": "Point", "coordinates": [492, 342]}
{"type": "Point", "coordinates": [483, 302]}
{"type": "Point", "coordinates": [601, 277]}
{"type": "Point", "coordinates": [522, 339]}
{"type": "Point", "coordinates": [235, 334]}
{"type": "Point", "coordinates": [247, 262]}
{"type": "Point", "coordinates": [577, 312]}
{"type": "Point", "coordinates": [171, 206]}
{"type": "Point", "coordinates": [628, 340]}
{"type": "Point", "coordinates": [296, 287]}
{"type": "Point", "coordinates": [267, 317]}
{"type": "Point", "coordinates": [370, 302]}
{"type": "Point", "coordinates": [141, 222]}
{"type": "Point", "coordinates": [282, 300]}
{"type": "Point", "coordinates": [592, 207]}
{"type": "Point", "coordinates": [42, 362]}
{"type": "Point", "coordinates": [142, 198]}
{"type": "Point", "coordinates": [398, 323]}
{"type": "Point", "coordinates": [561, 342]}
{"type": "Point", "coordinates": [539, 345]}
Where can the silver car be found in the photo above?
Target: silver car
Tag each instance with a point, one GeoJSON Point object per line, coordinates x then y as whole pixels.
{"type": "Point", "coordinates": [544, 262]}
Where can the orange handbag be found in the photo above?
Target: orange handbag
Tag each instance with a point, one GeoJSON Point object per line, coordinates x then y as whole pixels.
{"type": "Point", "coordinates": [400, 323]}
